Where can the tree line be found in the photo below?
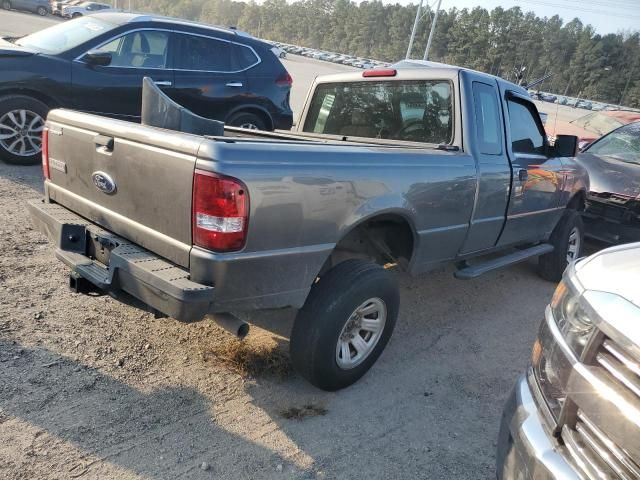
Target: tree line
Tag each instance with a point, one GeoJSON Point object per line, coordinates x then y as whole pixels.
{"type": "Point", "coordinates": [584, 63]}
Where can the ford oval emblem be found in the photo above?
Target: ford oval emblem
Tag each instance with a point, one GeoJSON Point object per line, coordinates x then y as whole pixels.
{"type": "Point", "coordinates": [103, 182]}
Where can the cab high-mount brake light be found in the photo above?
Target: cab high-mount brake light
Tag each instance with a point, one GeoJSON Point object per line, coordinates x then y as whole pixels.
{"type": "Point", "coordinates": [220, 211]}
{"type": "Point", "coordinates": [386, 72]}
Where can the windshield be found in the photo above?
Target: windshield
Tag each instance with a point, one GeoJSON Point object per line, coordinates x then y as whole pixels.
{"type": "Point", "coordinates": [65, 36]}
{"type": "Point", "coordinates": [623, 144]}
{"type": "Point", "coordinates": [598, 123]}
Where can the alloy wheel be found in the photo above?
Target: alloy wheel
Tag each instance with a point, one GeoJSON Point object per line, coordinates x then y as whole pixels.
{"type": "Point", "coordinates": [361, 333]}
{"type": "Point", "coordinates": [21, 132]}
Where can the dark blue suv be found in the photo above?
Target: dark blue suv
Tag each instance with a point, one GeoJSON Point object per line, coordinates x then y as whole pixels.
{"type": "Point", "coordinates": [96, 64]}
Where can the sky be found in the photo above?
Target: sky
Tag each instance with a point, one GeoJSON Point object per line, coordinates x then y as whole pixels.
{"type": "Point", "coordinates": [606, 16]}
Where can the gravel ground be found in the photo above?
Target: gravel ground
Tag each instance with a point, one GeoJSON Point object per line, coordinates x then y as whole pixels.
{"type": "Point", "coordinates": [91, 388]}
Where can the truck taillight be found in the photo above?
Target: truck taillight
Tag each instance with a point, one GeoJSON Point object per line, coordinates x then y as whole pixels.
{"type": "Point", "coordinates": [45, 152]}
{"type": "Point", "coordinates": [220, 212]}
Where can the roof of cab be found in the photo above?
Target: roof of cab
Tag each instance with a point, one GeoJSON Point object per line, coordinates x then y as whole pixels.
{"type": "Point", "coordinates": [416, 70]}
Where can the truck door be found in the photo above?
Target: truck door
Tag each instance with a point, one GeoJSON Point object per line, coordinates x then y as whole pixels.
{"type": "Point", "coordinates": [484, 122]}
{"type": "Point", "coordinates": [534, 204]}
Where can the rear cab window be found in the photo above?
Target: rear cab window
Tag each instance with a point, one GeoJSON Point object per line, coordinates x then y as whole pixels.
{"type": "Point", "coordinates": [405, 110]}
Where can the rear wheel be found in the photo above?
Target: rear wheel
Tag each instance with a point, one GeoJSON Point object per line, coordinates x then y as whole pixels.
{"type": "Point", "coordinates": [345, 324]}
{"type": "Point", "coordinates": [42, 11]}
{"type": "Point", "coordinates": [567, 239]}
{"type": "Point", "coordinates": [21, 123]}
{"type": "Point", "coordinates": [247, 120]}
{"type": "Point", "coordinates": [76, 15]}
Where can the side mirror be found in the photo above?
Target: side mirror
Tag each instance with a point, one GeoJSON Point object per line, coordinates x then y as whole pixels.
{"type": "Point", "coordinates": [98, 58]}
{"type": "Point", "coordinates": [565, 146]}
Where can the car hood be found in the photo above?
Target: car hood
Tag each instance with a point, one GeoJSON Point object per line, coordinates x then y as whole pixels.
{"type": "Point", "coordinates": [614, 270]}
{"type": "Point", "coordinates": [610, 175]}
{"type": "Point", "coordinates": [8, 49]}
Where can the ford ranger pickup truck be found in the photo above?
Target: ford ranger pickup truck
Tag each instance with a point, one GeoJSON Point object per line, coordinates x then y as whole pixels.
{"type": "Point", "coordinates": [409, 167]}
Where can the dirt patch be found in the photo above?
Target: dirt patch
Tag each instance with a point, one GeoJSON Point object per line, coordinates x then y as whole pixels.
{"type": "Point", "coordinates": [254, 356]}
{"type": "Point", "coordinates": [300, 413]}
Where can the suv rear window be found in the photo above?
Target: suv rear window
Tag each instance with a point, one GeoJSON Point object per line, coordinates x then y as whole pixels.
{"type": "Point", "coordinates": [411, 110]}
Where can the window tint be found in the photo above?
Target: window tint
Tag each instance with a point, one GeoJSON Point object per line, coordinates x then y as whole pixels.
{"type": "Point", "coordinates": [246, 57]}
{"type": "Point", "coordinates": [203, 53]}
{"type": "Point", "coordinates": [488, 127]}
{"type": "Point", "coordinates": [416, 111]}
{"type": "Point", "coordinates": [143, 49]}
{"type": "Point", "coordinates": [623, 144]}
{"type": "Point", "coordinates": [526, 136]}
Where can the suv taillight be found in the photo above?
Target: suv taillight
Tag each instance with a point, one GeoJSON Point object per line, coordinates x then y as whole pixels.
{"type": "Point", "coordinates": [284, 80]}
{"type": "Point", "coordinates": [220, 211]}
{"type": "Point", "coordinates": [45, 152]}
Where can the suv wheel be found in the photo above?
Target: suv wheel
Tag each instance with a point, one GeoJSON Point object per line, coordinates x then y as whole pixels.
{"type": "Point", "coordinates": [42, 11]}
{"type": "Point", "coordinates": [21, 123]}
{"type": "Point", "coordinates": [567, 238]}
{"type": "Point", "coordinates": [76, 15]}
{"type": "Point", "coordinates": [6, 5]}
{"type": "Point", "coordinates": [345, 324]}
{"type": "Point", "coordinates": [247, 120]}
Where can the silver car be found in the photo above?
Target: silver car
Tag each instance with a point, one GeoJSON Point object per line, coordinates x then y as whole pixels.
{"type": "Point", "coordinates": [575, 414]}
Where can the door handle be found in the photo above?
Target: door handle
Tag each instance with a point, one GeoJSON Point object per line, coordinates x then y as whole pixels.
{"type": "Point", "coordinates": [104, 144]}
{"type": "Point", "coordinates": [163, 83]}
{"type": "Point", "coordinates": [234, 84]}
{"type": "Point", "coordinates": [523, 174]}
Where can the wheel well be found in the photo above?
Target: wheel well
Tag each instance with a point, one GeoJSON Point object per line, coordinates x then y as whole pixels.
{"type": "Point", "coordinates": [268, 121]}
{"type": "Point", "coordinates": [50, 102]}
{"type": "Point", "coordinates": [385, 239]}
{"type": "Point", "coordinates": [577, 202]}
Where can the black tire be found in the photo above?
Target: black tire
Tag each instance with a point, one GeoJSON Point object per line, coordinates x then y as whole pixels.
{"type": "Point", "coordinates": [552, 265]}
{"type": "Point", "coordinates": [43, 12]}
{"type": "Point", "coordinates": [330, 305]}
{"type": "Point", "coordinates": [6, 5]}
{"type": "Point", "coordinates": [11, 103]}
{"type": "Point", "coordinates": [244, 119]}
{"type": "Point", "coordinates": [76, 15]}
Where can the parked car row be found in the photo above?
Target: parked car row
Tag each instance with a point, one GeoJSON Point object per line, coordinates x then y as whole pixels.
{"type": "Point", "coordinates": [573, 102]}
{"type": "Point", "coordinates": [341, 58]}
{"type": "Point", "coordinates": [40, 7]}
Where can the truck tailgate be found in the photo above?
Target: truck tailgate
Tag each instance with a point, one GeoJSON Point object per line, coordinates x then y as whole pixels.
{"type": "Point", "coordinates": [133, 180]}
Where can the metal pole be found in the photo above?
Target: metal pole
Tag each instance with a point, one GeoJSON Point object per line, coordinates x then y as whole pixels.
{"type": "Point", "coordinates": [624, 92]}
{"type": "Point", "coordinates": [433, 28]}
{"type": "Point", "coordinates": [413, 32]}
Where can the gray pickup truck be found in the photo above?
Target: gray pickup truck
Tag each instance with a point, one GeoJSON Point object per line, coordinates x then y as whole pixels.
{"type": "Point", "coordinates": [409, 167]}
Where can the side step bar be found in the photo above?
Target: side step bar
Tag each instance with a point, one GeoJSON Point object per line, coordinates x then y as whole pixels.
{"type": "Point", "coordinates": [473, 271]}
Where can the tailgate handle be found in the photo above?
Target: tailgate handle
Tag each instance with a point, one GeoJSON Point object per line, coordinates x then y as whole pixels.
{"type": "Point", "coordinates": [103, 142]}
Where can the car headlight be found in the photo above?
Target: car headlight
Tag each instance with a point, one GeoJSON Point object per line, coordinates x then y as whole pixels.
{"type": "Point", "coordinates": [560, 343]}
{"type": "Point", "coordinates": [573, 316]}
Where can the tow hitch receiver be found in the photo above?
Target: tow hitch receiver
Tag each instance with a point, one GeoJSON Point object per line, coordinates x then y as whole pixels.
{"type": "Point", "coordinates": [78, 284]}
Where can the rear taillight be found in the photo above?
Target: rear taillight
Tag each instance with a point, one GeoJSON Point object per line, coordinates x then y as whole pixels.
{"type": "Point", "coordinates": [45, 152]}
{"type": "Point", "coordinates": [284, 80]}
{"type": "Point", "coordinates": [220, 212]}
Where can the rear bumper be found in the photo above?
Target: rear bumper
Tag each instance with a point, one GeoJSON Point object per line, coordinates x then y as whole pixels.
{"type": "Point", "coordinates": [132, 269]}
{"type": "Point", "coordinates": [526, 449]}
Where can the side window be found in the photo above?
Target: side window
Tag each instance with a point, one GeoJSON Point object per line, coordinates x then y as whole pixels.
{"type": "Point", "coordinates": [142, 49]}
{"type": "Point", "coordinates": [488, 125]}
{"type": "Point", "coordinates": [204, 53]}
{"type": "Point", "coordinates": [526, 135]}
{"type": "Point", "coordinates": [246, 57]}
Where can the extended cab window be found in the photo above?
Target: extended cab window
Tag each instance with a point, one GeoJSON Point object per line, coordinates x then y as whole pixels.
{"type": "Point", "coordinates": [527, 135]}
{"type": "Point", "coordinates": [488, 127]}
{"type": "Point", "coordinates": [142, 49]}
{"type": "Point", "coordinates": [412, 110]}
{"type": "Point", "coordinates": [204, 53]}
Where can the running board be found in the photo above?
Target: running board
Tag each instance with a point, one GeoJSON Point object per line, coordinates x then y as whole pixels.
{"type": "Point", "coordinates": [474, 271]}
